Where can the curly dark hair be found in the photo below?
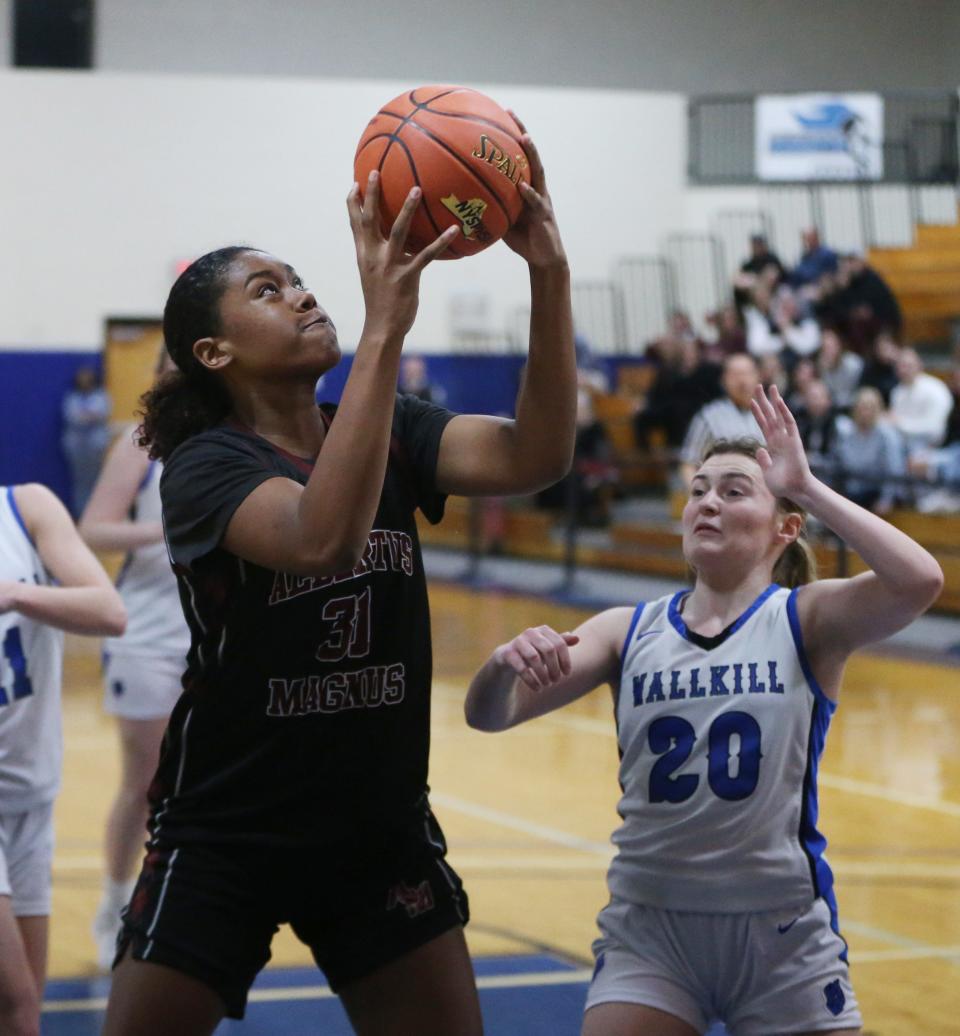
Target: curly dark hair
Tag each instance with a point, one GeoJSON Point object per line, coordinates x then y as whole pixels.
{"type": "Point", "coordinates": [190, 399]}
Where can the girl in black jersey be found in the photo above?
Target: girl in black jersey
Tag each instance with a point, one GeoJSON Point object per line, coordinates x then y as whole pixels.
{"type": "Point", "coordinates": [292, 781]}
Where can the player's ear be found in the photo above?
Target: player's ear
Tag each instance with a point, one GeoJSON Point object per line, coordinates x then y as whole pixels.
{"type": "Point", "coordinates": [790, 526]}
{"type": "Point", "coordinates": [211, 354]}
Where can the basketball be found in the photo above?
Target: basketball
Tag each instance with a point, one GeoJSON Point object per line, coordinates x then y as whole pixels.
{"type": "Point", "coordinates": [463, 151]}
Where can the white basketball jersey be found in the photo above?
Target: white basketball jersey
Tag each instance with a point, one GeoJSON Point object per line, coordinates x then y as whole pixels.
{"type": "Point", "coordinates": [31, 664]}
{"type": "Point", "coordinates": [719, 748]}
{"type": "Point", "coordinates": [155, 622]}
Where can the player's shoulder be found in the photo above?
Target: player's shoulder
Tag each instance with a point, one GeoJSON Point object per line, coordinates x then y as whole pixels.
{"type": "Point", "coordinates": [213, 444]}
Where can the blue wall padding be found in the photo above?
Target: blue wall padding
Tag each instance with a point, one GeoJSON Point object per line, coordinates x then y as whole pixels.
{"type": "Point", "coordinates": [32, 386]}
{"type": "Point", "coordinates": [33, 382]}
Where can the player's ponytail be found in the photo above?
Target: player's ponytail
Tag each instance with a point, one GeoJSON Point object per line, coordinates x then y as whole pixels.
{"type": "Point", "coordinates": [189, 399]}
{"type": "Point", "coordinates": [797, 565]}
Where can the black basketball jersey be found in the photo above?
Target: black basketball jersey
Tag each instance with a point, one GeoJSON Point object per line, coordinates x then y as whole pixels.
{"type": "Point", "coordinates": [306, 706]}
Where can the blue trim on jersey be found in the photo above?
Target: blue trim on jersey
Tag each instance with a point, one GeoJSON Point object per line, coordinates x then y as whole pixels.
{"type": "Point", "coordinates": [637, 612]}
{"type": "Point", "coordinates": [812, 841]}
{"type": "Point", "coordinates": [797, 633]}
{"type": "Point", "coordinates": [11, 500]}
{"type": "Point", "coordinates": [676, 619]}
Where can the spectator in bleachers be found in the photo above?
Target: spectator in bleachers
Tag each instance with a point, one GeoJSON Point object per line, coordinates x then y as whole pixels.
{"type": "Point", "coordinates": [880, 367]}
{"type": "Point", "coordinates": [867, 296]}
{"type": "Point", "coordinates": [86, 409]}
{"type": "Point", "coordinates": [943, 467]}
{"type": "Point", "coordinates": [799, 331]}
{"type": "Point", "coordinates": [725, 334]}
{"type": "Point", "coordinates": [684, 383]}
{"type": "Point", "coordinates": [919, 405]}
{"type": "Point", "coordinates": [759, 317]}
{"type": "Point", "coordinates": [771, 370]}
{"type": "Point", "coordinates": [818, 422]}
{"type": "Point", "coordinates": [815, 260]}
{"type": "Point", "coordinates": [870, 445]}
{"type": "Point", "coordinates": [728, 418]}
{"type": "Point", "coordinates": [762, 263]}
{"type": "Point", "coordinates": [593, 473]}
{"type": "Point", "coordinates": [802, 374]}
{"type": "Point", "coordinates": [415, 380]}
{"type": "Point", "coordinates": [839, 369]}
{"type": "Point", "coordinates": [952, 433]}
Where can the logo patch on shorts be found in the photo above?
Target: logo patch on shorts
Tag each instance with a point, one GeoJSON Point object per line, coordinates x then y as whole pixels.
{"type": "Point", "coordinates": [415, 901]}
{"type": "Point", "coordinates": [834, 995]}
{"type": "Point", "coordinates": [598, 967]}
{"type": "Point", "coordinates": [117, 688]}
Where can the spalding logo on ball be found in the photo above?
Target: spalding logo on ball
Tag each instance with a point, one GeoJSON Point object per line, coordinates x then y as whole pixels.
{"type": "Point", "coordinates": [463, 151]}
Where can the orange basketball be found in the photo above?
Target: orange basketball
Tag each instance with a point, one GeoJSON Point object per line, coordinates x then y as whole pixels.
{"type": "Point", "coordinates": [463, 151]}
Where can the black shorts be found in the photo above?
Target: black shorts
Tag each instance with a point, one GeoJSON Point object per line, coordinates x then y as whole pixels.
{"type": "Point", "coordinates": [212, 911]}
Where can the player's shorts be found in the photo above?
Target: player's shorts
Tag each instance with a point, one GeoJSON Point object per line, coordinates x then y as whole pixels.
{"type": "Point", "coordinates": [26, 857]}
{"type": "Point", "coordinates": [211, 911]}
{"type": "Point", "coordinates": [759, 973]}
{"type": "Point", "coordinates": [141, 687]}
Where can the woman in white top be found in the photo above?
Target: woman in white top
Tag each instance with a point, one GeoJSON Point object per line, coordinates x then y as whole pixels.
{"type": "Point", "coordinates": [721, 898]}
{"type": "Point", "coordinates": [49, 582]}
{"type": "Point", "coordinates": [142, 668]}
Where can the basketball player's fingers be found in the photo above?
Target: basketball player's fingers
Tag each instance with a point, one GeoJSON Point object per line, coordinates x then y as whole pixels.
{"type": "Point", "coordinates": [401, 225]}
{"type": "Point", "coordinates": [538, 179]}
{"type": "Point", "coordinates": [530, 653]}
{"type": "Point", "coordinates": [547, 650]}
{"type": "Point", "coordinates": [783, 410]}
{"type": "Point", "coordinates": [536, 201]}
{"type": "Point", "coordinates": [353, 208]}
{"type": "Point", "coordinates": [566, 641]}
{"type": "Point", "coordinates": [371, 201]}
{"type": "Point", "coordinates": [513, 659]}
{"type": "Point", "coordinates": [435, 248]}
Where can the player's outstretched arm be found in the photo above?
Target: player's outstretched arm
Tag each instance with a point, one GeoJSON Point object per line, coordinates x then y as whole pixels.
{"type": "Point", "coordinates": [85, 601]}
{"type": "Point", "coordinates": [541, 670]}
{"type": "Point", "coordinates": [838, 616]}
{"type": "Point", "coordinates": [106, 523]}
{"type": "Point", "coordinates": [322, 528]}
{"type": "Point", "coordinates": [491, 456]}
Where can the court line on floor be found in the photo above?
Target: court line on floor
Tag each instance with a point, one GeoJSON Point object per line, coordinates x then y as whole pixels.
{"type": "Point", "coordinates": [912, 947]}
{"type": "Point", "coordinates": [573, 977]}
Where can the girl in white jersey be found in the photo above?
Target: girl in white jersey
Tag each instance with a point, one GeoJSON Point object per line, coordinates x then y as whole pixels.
{"type": "Point", "coordinates": [721, 900]}
{"type": "Point", "coordinates": [142, 669]}
{"type": "Point", "coordinates": [49, 582]}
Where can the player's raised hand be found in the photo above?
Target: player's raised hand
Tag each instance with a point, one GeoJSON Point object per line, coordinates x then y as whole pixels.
{"type": "Point", "coordinates": [390, 278]}
{"type": "Point", "coordinates": [783, 461]}
{"type": "Point", "coordinates": [539, 656]}
{"type": "Point", "coordinates": [535, 236]}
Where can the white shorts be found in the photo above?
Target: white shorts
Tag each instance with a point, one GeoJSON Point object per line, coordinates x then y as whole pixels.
{"type": "Point", "coordinates": [26, 858]}
{"type": "Point", "coordinates": [758, 973]}
{"type": "Point", "coordinates": [141, 687]}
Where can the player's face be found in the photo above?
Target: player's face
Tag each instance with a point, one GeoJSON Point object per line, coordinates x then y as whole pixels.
{"type": "Point", "coordinates": [730, 520]}
{"type": "Point", "coordinates": [270, 324]}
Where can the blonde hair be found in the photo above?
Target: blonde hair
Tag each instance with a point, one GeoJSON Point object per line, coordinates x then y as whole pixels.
{"type": "Point", "coordinates": [797, 564]}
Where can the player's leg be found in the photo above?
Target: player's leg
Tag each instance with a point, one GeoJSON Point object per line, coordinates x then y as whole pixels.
{"type": "Point", "coordinates": [126, 827]}
{"type": "Point", "coordinates": [154, 1000]}
{"type": "Point", "coordinates": [430, 991]}
{"type": "Point", "coordinates": [19, 993]}
{"type": "Point", "coordinates": [196, 932]}
{"type": "Point", "coordinates": [35, 933]}
{"type": "Point", "coordinates": [612, 1019]}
